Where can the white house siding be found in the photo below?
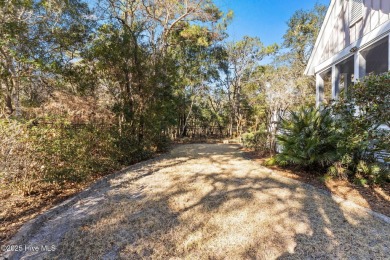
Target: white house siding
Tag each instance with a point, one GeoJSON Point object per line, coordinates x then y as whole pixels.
{"type": "Point", "coordinates": [342, 34]}
{"type": "Point", "coordinates": [376, 13]}
{"type": "Point", "coordinates": [384, 12]}
{"type": "Point", "coordinates": [341, 39]}
{"type": "Point", "coordinates": [347, 51]}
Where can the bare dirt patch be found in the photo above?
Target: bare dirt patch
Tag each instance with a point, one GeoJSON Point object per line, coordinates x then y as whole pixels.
{"type": "Point", "coordinates": [206, 201]}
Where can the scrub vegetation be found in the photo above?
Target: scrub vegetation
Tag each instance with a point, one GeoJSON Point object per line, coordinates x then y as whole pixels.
{"type": "Point", "coordinates": [347, 137]}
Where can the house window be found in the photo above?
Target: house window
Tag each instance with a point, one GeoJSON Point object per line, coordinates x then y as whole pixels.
{"type": "Point", "coordinates": [355, 11]}
{"type": "Point", "coordinates": [375, 58]}
{"type": "Point", "coordinates": [346, 70]}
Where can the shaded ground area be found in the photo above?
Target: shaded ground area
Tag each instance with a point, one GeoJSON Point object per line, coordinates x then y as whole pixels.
{"type": "Point", "coordinates": [376, 198]}
{"type": "Point", "coordinates": [207, 201]}
{"type": "Point", "coordinates": [16, 209]}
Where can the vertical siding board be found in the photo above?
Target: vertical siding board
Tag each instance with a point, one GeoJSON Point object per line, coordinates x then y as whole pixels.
{"type": "Point", "coordinates": [355, 31]}
{"type": "Point", "coordinates": [385, 10]}
{"type": "Point", "coordinates": [340, 26]}
{"type": "Point", "coordinates": [323, 44]}
{"type": "Point", "coordinates": [375, 14]}
{"type": "Point", "coordinates": [367, 16]}
{"type": "Point", "coordinates": [352, 33]}
{"type": "Point", "coordinates": [323, 48]}
{"type": "Point", "coordinates": [341, 30]}
{"type": "Point", "coordinates": [389, 51]}
{"type": "Point", "coordinates": [382, 18]}
{"type": "Point", "coordinates": [327, 51]}
{"type": "Point", "coordinates": [325, 54]}
{"type": "Point", "coordinates": [346, 24]}
{"type": "Point", "coordinates": [385, 6]}
{"type": "Point", "coordinates": [333, 35]}
{"type": "Point", "coordinates": [359, 29]}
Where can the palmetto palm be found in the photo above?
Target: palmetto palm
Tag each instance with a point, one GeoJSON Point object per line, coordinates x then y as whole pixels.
{"type": "Point", "coordinates": [308, 138]}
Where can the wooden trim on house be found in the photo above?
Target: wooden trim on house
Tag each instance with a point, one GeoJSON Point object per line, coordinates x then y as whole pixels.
{"type": "Point", "coordinates": [370, 38]}
{"type": "Point", "coordinates": [319, 38]}
{"type": "Point", "coordinates": [339, 34]}
{"type": "Point", "coordinates": [389, 51]}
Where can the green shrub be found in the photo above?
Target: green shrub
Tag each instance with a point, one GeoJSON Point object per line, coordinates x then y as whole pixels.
{"type": "Point", "coordinates": [360, 181]}
{"type": "Point", "coordinates": [52, 150]}
{"type": "Point", "coordinates": [358, 120]}
{"type": "Point", "coordinates": [127, 147]}
{"type": "Point", "coordinates": [270, 162]}
{"type": "Point", "coordinates": [361, 116]}
{"type": "Point", "coordinates": [308, 139]}
{"type": "Point", "coordinates": [258, 140]}
{"type": "Point", "coordinates": [73, 152]}
{"type": "Point", "coordinates": [345, 137]}
{"type": "Point", "coordinates": [374, 173]}
{"type": "Point", "coordinates": [326, 177]}
{"type": "Point", "coordinates": [162, 143]}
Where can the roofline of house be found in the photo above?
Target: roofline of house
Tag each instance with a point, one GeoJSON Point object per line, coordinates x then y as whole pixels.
{"type": "Point", "coordinates": [375, 35]}
{"type": "Point", "coordinates": [319, 37]}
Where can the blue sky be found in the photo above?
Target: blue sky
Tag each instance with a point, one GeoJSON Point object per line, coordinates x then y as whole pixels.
{"type": "Point", "coordinates": [265, 19]}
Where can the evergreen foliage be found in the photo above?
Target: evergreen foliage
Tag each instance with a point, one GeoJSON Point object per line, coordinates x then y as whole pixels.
{"type": "Point", "coordinates": [257, 141]}
{"type": "Point", "coordinates": [346, 137]}
{"type": "Point", "coordinates": [362, 119]}
{"type": "Point", "coordinates": [308, 138]}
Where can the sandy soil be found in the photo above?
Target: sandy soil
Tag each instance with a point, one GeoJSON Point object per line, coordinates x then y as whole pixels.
{"type": "Point", "coordinates": [376, 198]}
{"type": "Point", "coordinates": [206, 201]}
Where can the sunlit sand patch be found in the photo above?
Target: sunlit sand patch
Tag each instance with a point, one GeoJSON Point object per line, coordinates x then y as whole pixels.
{"type": "Point", "coordinates": [218, 205]}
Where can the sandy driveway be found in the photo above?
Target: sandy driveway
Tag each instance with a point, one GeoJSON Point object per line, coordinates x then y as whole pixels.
{"type": "Point", "coordinates": [204, 202]}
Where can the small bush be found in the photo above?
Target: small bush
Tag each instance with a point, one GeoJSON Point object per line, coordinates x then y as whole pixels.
{"type": "Point", "coordinates": [340, 171]}
{"type": "Point", "coordinates": [127, 147]}
{"type": "Point", "coordinates": [270, 162]}
{"type": "Point", "coordinates": [360, 181]}
{"type": "Point", "coordinates": [308, 139]}
{"type": "Point", "coordinates": [259, 141]}
{"type": "Point", "coordinates": [374, 173]}
{"type": "Point", "coordinates": [360, 121]}
{"type": "Point", "coordinates": [73, 153]}
{"type": "Point", "coordinates": [162, 143]}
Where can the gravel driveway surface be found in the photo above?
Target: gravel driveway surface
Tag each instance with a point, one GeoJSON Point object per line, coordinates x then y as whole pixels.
{"type": "Point", "coordinates": [203, 201]}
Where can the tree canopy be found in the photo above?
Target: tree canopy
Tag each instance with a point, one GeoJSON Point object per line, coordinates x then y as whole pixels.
{"type": "Point", "coordinates": [141, 73]}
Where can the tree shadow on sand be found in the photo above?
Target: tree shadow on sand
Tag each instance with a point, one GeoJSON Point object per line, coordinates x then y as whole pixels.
{"type": "Point", "coordinates": [219, 205]}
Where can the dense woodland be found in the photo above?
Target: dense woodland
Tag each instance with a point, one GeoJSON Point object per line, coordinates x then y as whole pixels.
{"type": "Point", "coordinates": [89, 87]}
